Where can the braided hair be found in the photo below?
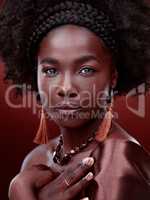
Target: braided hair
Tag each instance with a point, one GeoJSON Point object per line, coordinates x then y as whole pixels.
{"type": "Point", "coordinates": [24, 22]}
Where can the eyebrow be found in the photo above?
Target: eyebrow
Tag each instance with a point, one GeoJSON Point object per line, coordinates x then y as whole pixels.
{"type": "Point", "coordinates": [85, 58]}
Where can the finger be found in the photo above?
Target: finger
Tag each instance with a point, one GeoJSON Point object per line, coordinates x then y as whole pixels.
{"type": "Point", "coordinates": [79, 186]}
{"type": "Point", "coordinates": [71, 176]}
{"type": "Point", "coordinates": [85, 198]}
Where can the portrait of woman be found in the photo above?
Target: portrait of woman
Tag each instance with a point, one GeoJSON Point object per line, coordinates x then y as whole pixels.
{"type": "Point", "coordinates": [78, 56]}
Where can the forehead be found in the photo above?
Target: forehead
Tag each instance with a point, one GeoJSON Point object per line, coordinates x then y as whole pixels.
{"type": "Point", "coordinates": [71, 40]}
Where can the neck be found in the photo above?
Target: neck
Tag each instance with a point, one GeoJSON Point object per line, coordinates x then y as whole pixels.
{"type": "Point", "coordinates": [73, 137]}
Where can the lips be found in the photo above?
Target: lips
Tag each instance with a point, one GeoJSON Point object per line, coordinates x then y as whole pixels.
{"type": "Point", "coordinates": [68, 112]}
{"type": "Point", "coordinates": [67, 106]}
{"type": "Point", "coordinates": [67, 109]}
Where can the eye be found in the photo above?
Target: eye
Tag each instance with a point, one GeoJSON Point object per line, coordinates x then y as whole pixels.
{"type": "Point", "coordinates": [49, 71]}
{"type": "Point", "coordinates": [87, 70]}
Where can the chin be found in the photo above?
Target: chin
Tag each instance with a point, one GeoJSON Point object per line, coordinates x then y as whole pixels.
{"type": "Point", "coordinates": [71, 123]}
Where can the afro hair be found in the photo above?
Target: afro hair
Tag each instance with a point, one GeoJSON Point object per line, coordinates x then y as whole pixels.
{"type": "Point", "coordinates": [132, 21]}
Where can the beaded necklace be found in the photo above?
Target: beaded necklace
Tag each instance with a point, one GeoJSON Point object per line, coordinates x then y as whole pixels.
{"type": "Point", "coordinates": [60, 158]}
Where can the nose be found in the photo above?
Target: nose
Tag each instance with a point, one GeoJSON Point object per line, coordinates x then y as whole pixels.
{"type": "Point", "coordinates": [66, 88]}
{"type": "Point", "coordinates": [67, 93]}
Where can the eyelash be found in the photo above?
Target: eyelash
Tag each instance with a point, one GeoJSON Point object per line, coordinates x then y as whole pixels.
{"type": "Point", "coordinates": [89, 68]}
{"type": "Point", "coordinates": [46, 69]}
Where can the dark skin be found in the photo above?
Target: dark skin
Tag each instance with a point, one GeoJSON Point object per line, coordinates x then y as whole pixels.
{"type": "Point", "coordinates": [71, 60]}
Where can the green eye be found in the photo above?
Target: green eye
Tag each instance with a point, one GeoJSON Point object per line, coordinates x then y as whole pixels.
{"type": "Point", "coordinates": [50, 71]}
{"type": "Point", "coordinates": [87, 70]}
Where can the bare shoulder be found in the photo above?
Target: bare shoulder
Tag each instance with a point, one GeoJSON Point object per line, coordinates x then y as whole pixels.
{"type": "Point", "coordinates": [140, 159]}
{"type": "Point", "coordinates": [129, 153]}
{"type": "Point", "coordinates": [39, 155]}
{"type": "Point", "coordinates": [121, 135]}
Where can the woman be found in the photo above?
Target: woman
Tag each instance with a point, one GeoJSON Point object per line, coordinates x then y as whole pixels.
{"type": "Point", "coordinates": [77, 55]}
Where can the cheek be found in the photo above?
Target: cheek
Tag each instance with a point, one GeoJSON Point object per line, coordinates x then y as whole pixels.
{"type": "Point", "coordinates": [94, 88]}
{"type": "Point", "coordinates": [100, 79]}
{"type": "Point", "coordinates": [43, 87]}
{"type": "Point", "coordinates": [47, 88]}
{"type": "Point", "coordinates": [41, 82]}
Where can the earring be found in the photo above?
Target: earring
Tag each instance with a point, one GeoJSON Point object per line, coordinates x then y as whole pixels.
{"type": "Point", "coordinates": [41, 135]}
{"type": "Point", "coordinates": [105, 125]}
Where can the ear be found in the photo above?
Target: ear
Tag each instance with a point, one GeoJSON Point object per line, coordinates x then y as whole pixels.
{"type": "Point", "coordinates": [114, 77]}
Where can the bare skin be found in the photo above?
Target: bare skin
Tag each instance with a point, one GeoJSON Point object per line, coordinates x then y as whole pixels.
{"type": "Point", "coordinates": [62, 186]}
{"type": "Point", "coordinates": [71, 60]}
{"type": "Point", "coordinates": [62, 58]}
{"type": "Point", "coordinates": [35, 175]}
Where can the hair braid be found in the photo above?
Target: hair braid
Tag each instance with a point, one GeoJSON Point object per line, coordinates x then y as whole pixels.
{"type": "Point", "coordinates": [24, 22]}
{"type": "Point", "coordinates": [74, 13]}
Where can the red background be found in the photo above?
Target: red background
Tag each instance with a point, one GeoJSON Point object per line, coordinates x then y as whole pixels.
{"type": "Point", "coordinates": [18, 127]}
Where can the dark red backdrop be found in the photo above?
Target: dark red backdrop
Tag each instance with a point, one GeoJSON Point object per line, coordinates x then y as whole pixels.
{"type": "Point", "coordinates": [18, 127]}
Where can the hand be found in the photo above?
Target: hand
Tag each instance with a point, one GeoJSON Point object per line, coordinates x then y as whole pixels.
{"type": "Point", "coordinates": [66, 186]}
{"type": "Point", "coordinates": [69, 183]}
{"type": "Point", "coordinates": [23, 185]}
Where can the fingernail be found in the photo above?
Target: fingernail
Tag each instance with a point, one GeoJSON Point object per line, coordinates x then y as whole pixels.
{"type": "Point", "coordinates": [86, 198]}
{"type": "Point", "coordinates": [89, 176]}
{"type": "Point", "coordinates": [89, 161]}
